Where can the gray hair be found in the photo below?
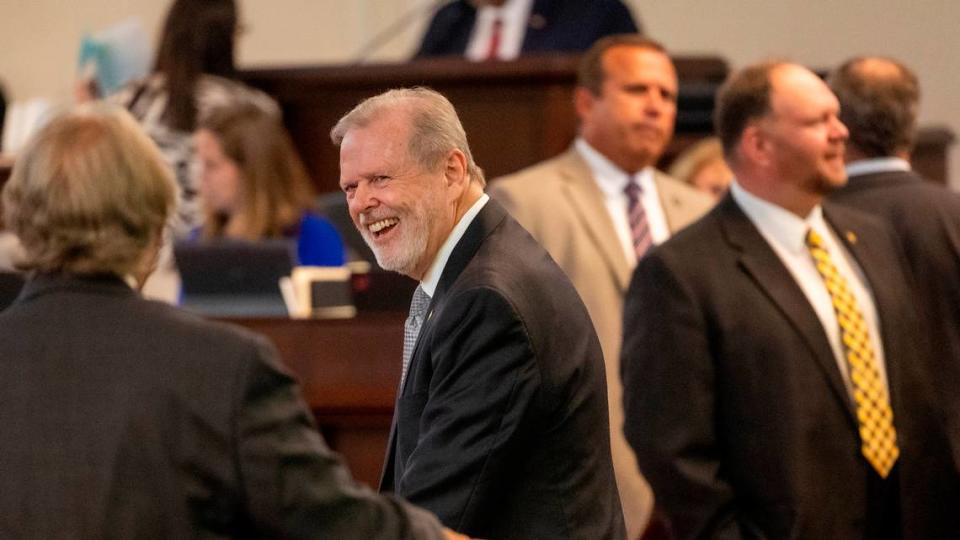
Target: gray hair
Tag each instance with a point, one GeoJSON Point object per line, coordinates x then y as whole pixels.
{"type": "Point", "coordinates": [435, 126]}
{"type": "Point", "coordinates": [89, 194]}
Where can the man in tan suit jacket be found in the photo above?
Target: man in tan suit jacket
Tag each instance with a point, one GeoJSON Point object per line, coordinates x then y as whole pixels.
{"type": "Point", "coordinates": [575, 205]}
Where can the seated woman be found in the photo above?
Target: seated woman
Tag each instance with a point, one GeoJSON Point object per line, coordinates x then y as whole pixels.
{"type": "Point", "coordinates": [193, 74]}
{"type": "Point", "coordinates": [253, 185]}
{"type": "Point", "coordinates": [703, 167]}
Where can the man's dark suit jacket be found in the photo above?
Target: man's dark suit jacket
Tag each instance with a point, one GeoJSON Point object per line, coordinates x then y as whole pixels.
{"type": "Point", "coordinates": [501, 426]}
{"type": "Point", "coordinates": [125, 418]}
{"type": "Point", "coordinates": [734, 401]}
{"type": "Point", "coordinates": [556, 26]}
{"type": "Point", "coordinates": [925, 219]}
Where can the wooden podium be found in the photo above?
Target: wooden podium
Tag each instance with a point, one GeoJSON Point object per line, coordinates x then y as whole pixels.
{"type": "Point", "coordinates": [515, 113]}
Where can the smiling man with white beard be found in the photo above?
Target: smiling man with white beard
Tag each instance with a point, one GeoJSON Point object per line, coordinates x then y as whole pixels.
{"type": "Point", "coordinates": [501, 422]}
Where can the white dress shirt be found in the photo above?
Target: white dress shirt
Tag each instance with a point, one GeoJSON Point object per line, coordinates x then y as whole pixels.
{"type": "Point", "coordinates": [785, 232]}
{"type": "Point", "coordinates": [513, 16]}
{"type": "Point", "coordinates": [612, 181]}
{"type": "Point", "coordinates": [875, 165]}
{"type": "Point", "coordinates": [432, 278]}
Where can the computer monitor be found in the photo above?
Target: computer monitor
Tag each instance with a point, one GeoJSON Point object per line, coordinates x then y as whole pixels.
{"type": "Point", "coordinates": [231, 278]}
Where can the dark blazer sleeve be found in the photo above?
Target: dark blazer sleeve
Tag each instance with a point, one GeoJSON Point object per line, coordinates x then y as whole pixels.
{"type": "Point", "coordinates": [669, 397]}
{"type": "Point", "coordinates": [484, 380]}
{"type": "Point", "coordinates": [294, 485]}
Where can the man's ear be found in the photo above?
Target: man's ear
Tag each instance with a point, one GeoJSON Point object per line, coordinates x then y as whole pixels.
{"type": "Point", "coordinates": [455, 169]}
{"type": "Point", "coordinates": [583, 101]}
{"type": "Point", "coordinates": [150, 258]}
{"type": "Point", "coordinates": [755, 144]}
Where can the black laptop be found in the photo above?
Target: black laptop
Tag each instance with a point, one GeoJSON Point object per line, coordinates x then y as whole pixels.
{"type": "Point", "coordinates": [230, 278]}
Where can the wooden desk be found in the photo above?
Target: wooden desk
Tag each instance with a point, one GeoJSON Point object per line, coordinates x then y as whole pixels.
{"type": "Point", "coordinates": [349, 370]}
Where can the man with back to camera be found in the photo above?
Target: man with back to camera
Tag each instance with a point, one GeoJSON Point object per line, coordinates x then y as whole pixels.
{"type": "Point", "coordinates": [126, 418]}
{"type": "Point", "coordinates": [773, 382]}
{"type": "Point", "coordinates": [879, 101]}
{"type": "Point", "coordinates": [500, 426]}
{"type": "Point", "coordinates": [600, 205]}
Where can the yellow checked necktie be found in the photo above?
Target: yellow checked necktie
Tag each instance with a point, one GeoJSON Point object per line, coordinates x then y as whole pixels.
{"type": "Point", "coordinates": [877, 435]}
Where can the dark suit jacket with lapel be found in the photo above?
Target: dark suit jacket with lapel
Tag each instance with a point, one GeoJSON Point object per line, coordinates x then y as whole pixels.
{"type": "Point", "coordinates": [734, 402]}
{"type": "Point", "coordinates": [556, 25]}
{"type": "Point", "coordinates": [124, 418]}
{"type": "Point", "coordinates": [501, 426]}
{"type": "Point", "coordinates": [925, 219]}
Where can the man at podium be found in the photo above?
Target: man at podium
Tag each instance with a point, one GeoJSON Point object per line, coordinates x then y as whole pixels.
{"type": "Point", "coordinates": [505, 29]}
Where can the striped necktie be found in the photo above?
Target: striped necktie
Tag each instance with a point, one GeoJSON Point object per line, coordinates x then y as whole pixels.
{"type": "Point", "coordinates": [637, 218]}
{"type": "Point", "coordinates": [878, 437]}
{"type": "Point", "coordinates": [411, 327]}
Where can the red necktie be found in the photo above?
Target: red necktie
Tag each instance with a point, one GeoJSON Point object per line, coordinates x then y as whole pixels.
{"type": "Point", "coordinates": [495, 39]}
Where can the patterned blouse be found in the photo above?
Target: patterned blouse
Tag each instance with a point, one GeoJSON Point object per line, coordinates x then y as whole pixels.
{"type": "Point", "coordinates": [146, 99]}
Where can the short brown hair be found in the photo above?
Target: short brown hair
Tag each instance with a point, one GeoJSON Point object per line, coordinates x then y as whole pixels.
{"type": "Point", "coordinates": [879, 107]}
{"type": "Point", "coordinates": [89, 194]}
{"type": "Point", "coordinates": [274, 187]}
{"type": "Point", "coordinates": [743, 97]}
{"type": "Point", "coordinates": [435, 126]}
{"type": "Point", "coordinates": [590, 74]}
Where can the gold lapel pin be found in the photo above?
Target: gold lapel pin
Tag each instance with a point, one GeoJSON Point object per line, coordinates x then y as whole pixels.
{"type": "Point", "coordinates": [851, 237]}
{"type": "Point", "coordinates": [537, 21]}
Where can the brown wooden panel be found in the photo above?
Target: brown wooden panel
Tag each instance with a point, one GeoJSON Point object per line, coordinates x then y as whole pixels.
{"type": "Point", "coordinates": [348, 371]}
{"type": "Point", "coordinates": [515, 113]}
{"type": "Point", "coordinates": [930, 153]}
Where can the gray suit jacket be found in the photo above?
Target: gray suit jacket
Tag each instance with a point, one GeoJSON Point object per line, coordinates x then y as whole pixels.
{"type": "Point", "coordinates": [559, 202]}
{"type": "Point", "coordinates": [125, 418]}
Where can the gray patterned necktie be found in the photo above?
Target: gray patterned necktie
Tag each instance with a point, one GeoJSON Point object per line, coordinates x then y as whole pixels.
{"type": "Point", "coordinates": [411, 328]}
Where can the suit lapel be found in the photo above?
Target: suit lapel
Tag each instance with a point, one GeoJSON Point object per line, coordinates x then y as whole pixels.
{"type": "Point", "coordinates": [490, 216]}
{"type": "Point", "coordinates": [766, 269]}
{"type": "Point", "coordinates": [586, 199]}
{"type": "Point", "coordinates": [676, 208]}
{"type": "Point", "coordinates": [881, 280]}
{"type": "Point", "coordinates": [536, 27]}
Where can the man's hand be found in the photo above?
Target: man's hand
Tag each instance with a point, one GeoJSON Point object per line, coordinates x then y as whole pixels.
{"type": "Point", "coordinates": [452, 535]}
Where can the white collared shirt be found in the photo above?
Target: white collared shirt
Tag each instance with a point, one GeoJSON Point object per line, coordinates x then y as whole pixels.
{"type": "Point", "coordinates": [612, 181]}
{"type": "Point", "coordinates": [513, 16]}
{"type": "Point", "coordinates": [785, 232]}
{"type": "Point", "coordinates": [432, 278]}
{"type": "Point", "coordinates": [875, 165]}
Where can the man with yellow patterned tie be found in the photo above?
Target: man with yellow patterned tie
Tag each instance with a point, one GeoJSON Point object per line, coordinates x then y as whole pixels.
{"type": "Point", "coordinates": [775, 379]}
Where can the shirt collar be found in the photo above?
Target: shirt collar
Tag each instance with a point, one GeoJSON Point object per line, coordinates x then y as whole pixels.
{"type": "Point", "coordinates": [510, 10]}
{"type": "Point", "coordinates": [611, 179]}
{"type": "Point", "coordinates": [776, 223]}
{"type": "Point", "coordinates": [875, 165]}
{"type": "Point", "coordinates": [432, 278]}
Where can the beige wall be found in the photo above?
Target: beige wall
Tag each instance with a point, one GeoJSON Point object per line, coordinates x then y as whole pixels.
{"type": "Point", "coordinates": [40, 36]}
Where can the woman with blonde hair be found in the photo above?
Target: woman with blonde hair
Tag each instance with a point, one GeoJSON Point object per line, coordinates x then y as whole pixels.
{"type": "Point", "coordinates": [703, 167]}
{"type": "Point", "coordinates": [254, 186]}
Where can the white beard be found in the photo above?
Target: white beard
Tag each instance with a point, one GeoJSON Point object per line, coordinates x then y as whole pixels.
{"type": "Point", "coordinates": [407, 250]}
